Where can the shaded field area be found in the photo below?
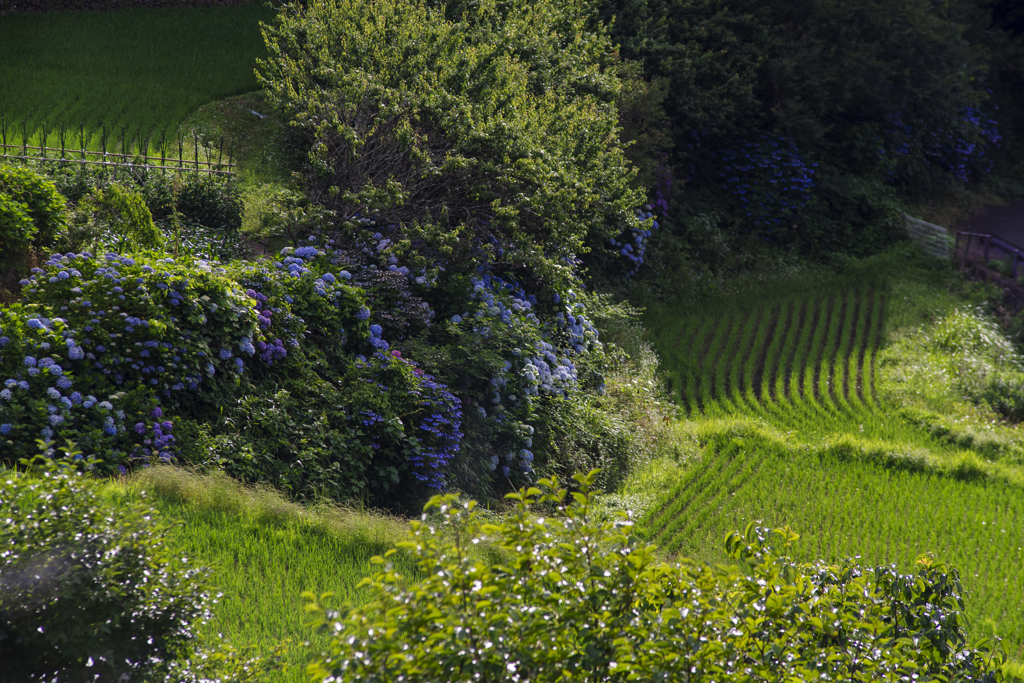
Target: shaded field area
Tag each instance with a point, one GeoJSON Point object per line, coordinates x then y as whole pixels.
{"type": "Point", "coordinates": [139, 72]}
{"type": "Point", "coordinates": [794, 423]}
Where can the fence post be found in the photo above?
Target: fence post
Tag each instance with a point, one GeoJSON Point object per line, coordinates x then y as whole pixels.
{"type": "Point", "coordinates": [180, 156]}
{"type": "Point", "coordinates": [5, 134]}
{"type": "Point", "coordinates": [81, 138]}
{"type": "Point", "coordinates": [163, 155]}
{"type": "Point", "coordinates": [62, 141]}
{"type": "Point", "coordinates": [195, 147]}
{"type": "Point", "coordinates": [45, 135]}
{"type": "Point", "coordinates": [24, 138]}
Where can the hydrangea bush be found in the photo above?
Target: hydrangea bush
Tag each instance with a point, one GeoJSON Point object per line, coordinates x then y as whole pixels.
{"type": "Point", "coordinates": [112, 351]}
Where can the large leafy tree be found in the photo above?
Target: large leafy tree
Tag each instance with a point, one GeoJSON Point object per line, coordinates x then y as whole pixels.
{"type": "Point", "coordinates": [493, 123]}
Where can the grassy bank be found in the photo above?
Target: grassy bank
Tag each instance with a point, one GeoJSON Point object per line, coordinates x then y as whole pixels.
{"type": "Point", "coordinates": [262, 553]}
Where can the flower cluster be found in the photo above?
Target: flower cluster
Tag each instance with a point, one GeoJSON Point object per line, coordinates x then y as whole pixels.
{"type": "Point", "coordinates": [435, 417]}
{"type": "Point", "coordinates": [519, 306]}
{"type": "Point", "coordinates": [770, 179]}
{"type": "Point", "coordinates": [40, 397]}
{"type": "Point", "coordinates": [158, 441]}
{"type": "Point", "coordinates": [634, 245]}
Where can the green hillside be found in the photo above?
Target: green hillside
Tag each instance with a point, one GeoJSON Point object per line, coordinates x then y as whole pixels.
{"type": "Point", "coordinates": [803, 412]}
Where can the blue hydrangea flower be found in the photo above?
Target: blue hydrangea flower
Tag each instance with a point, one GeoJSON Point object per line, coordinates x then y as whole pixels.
{"type": "Point", "coordinates": [239, 365]}
{"type": "Point", "coordinates": [5, 394]}
{"type": "Point", "coordinates": [23, 385]}
{"type": "Point", "coordinates": [225, 354]}
{"type": "Point", "coordinates": [376, 330]}
{"type": "Point", "coordinates": [106, 405]}
{"type": "Point", "coordinates": [64, 383]}
{"type": "Point", "coordinates": [56, 419]}
{"type": "Point", "coordinates": [5, 429]}
{"type": "Point", "coordinates": [53, 393]}
{"type": "Point", "coordinates": [30, 361]}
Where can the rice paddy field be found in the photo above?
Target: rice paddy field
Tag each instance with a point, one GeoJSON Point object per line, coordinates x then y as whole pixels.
{"type": "Point", "coordinates": [798, 412]}
{"type": "Point", "coordinates": [128, 78]}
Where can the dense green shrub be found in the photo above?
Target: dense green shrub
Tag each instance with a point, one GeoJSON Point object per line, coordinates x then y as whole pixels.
{"type": "Point", "coordinates": [573, 598]}
{"type": "Point", "coordinates": [497, 130]}
{"type": "Point", "coordinates": [870, 103]}
{"type": "Point", "coordinates": [112, 352]}
{"type": "Point", "coordinates": [32, 213]}
{"type": "Point", "coordinates": [212, 201]}
{"type": "Point", "coordinates": [121, 213]}
{"type": "Point", "coordinates": [87, 591]}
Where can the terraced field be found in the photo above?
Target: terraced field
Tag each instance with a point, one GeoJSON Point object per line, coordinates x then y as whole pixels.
{"type": "Point", "coordinates": [782, 389]}
{"type": "Point", "coordinates": [782, 353]}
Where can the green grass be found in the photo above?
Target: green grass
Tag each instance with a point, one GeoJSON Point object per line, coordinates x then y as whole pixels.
{"type": "Point", "coordinates": [827, 402]}
{"type": "Point", "coordinates": [262, 552]}
{"type": "Point", "coordinates": [142, 69]}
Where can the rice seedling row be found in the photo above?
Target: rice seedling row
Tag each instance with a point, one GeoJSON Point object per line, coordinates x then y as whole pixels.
{"type": "Point", "coordinates": [136, 73]}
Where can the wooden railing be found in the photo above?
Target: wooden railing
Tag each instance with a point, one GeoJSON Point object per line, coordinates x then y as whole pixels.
{"type": "Point", "coordinates": [990, 242]}
{"type": "Point", "coordinates": [206, 158]}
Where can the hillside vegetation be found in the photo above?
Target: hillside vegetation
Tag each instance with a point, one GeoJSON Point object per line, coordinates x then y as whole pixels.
{"type": "Point", "coordinates": [424, 286]}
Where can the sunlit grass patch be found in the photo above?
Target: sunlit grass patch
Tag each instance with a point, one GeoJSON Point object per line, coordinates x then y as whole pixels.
{"type": "Point", "coordinates": [263, 551]}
